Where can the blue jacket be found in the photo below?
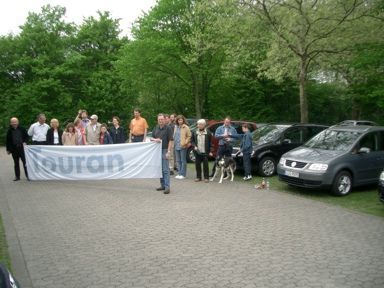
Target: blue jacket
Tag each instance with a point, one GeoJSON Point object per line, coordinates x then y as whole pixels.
{"type": "Point", "coordinates": [246, 143]}
{"type": "Point", "coordinates": [107, 138]}
{"type": "Point", "coordinates": [219, 134]}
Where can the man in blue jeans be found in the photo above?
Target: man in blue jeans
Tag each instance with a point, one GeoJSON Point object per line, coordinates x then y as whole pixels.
{"type": "Point", "coordinates": [164, 134]}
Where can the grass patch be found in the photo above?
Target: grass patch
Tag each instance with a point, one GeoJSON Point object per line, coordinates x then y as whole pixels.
{"type": "Point", "coordinates": [364, 199]}
{"type": "Point", "coordinates": [4, 255]}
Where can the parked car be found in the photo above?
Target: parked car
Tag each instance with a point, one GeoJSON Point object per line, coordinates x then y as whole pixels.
{"type": "Point", "coordinates": [212, 126]}
{"type": "Point", "coordinates": [273, 140]}
{"type": "Point", "coordinates": [357, 122]}
{"type": "Point", "coordinates": [381, 187]}
{"type": "Point", "coordinates": [339, 158]}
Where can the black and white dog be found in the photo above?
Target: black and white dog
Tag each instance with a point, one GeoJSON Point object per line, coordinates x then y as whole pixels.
{"type": "Point", "coordinates": [224, 165]}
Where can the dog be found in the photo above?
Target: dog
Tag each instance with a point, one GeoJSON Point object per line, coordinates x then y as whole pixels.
{"type": "Point", "coordinates": [224, 165]}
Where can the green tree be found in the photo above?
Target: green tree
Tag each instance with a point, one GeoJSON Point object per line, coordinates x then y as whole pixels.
{"type": "Point", "coordinates": [176, 42]}
{"type": "Point", "coordinates": [304, 30]}
{"type": "Point", "coordinates": [99, 87]}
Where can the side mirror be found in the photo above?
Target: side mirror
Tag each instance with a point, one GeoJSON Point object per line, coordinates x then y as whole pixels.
{"type": "Point", "coordinates": [286, 141]}
{"type": "Point", "coordinates": [364, 150]}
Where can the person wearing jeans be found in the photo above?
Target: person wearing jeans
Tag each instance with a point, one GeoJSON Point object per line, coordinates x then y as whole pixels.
{"type": "Point", "coordinates": [246, 149]}
{"type": "Point", "coordinates": [163, 134]}
{"type": "Point", "coordinates": [182, 140]}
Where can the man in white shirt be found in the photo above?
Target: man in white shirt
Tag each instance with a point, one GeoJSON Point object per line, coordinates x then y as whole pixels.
{"type": "Point", "coordinates": [92, 131]}
{"type": "Point", "coordinates": [38, 131]}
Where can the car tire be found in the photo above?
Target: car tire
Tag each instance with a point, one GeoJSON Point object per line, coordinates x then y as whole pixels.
{"type": "Point", "coordinates": [342, 184]}
{"type": "Point", "coordinates": [267, 166]}
{"type": "Point", "coordinates": [191, 158]}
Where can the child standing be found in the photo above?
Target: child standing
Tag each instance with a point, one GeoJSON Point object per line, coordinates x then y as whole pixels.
{"type": "Point", "coordinates": [246, 149]}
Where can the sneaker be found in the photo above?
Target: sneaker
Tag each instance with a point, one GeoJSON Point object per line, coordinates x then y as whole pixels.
{"type": "Point", "coordinates": [177, 176]}
{"type": "Point", "coordinates": [249, 177]}
{"type": "Point", "coordinates": [167, 191]}
{"type": "Point", "coordinates": [206, 180]}
{"type": "Point", "coordinates": [181, 177]}
{"type": "Point", "coordinates": [160, 189]}
{"type": "Point", "coordinates": [245, 178]}
{"type": "Point", "coordinates": [197, 180]}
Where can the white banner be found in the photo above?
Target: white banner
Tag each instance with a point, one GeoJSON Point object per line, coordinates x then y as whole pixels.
{"type": "Point", "coordinates": [94, 162]}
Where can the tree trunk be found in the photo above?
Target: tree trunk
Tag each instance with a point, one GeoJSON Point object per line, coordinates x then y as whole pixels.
{"type": "Point", "coordinates": [196, 95]}
{"type": "Point", "coordinates": [303, 95]}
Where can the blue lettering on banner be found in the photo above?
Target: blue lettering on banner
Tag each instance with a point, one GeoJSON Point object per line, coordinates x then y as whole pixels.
{"type": "Point", "coordinates": [66, 165]}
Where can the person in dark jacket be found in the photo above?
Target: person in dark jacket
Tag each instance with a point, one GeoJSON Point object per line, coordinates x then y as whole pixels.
{"type": "Point", "coordinates": [246, 149]}
{"type": "Point", "coordinates": [117, 132]}
{"type": "Point", "coordinates": [105, 137]}
{"type": "Point", "coordinates": [201, 141]}
{"type": "Point", "coordinates": [54, 134]}
{"type": "Point", "coordinates": [17, 137]}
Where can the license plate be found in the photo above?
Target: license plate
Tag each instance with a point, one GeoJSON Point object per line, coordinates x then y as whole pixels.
{"type": "Point", "coordinates": [292, 174]}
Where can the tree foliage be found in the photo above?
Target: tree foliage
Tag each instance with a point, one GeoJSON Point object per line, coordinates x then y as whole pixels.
{"type": "Point", "coordinates": [260, 60]}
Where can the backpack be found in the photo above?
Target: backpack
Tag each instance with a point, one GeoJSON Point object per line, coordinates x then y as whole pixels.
{"type": "Point", "coordinates": [6, 279]}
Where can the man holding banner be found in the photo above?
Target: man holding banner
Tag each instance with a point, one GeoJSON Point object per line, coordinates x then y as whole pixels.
{"type": "Point", "coordinates": [164, 134]}
{"type": "Point", "coordinates": [17, 137]}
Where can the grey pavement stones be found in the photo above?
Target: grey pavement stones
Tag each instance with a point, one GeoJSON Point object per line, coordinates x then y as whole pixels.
{"type": "Point", "coordinates": [123, 233]}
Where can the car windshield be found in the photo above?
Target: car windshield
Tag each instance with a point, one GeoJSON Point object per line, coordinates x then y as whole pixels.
{"type": "Point", "coordinates": [267, 133]}
{"type": "Point", "coordinates": [336, 140]}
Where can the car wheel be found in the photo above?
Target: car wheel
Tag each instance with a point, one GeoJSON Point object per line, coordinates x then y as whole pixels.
{"type": "Point", "coordinates": [267, 166]}
{"type": "Point", "coordinates": [191, 155]}
{"type": "Point", "coordinates": [342, 185]}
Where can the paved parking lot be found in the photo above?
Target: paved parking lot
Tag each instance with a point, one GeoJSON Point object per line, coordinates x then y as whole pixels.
{"type": "Point", "coordinates": [123, 233]}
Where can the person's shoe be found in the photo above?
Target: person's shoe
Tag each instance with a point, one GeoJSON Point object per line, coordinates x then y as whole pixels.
{"type": "Point", "coordinates": [167, 191]}
{"type": "Point", "coordinates": [16, 179]}
{"type": "Point", "coordinates": [206, 180]}
{"type": "Point", "coordinates": [249, 177]}
{"type": "Point", "coordinates": [171, 172]}
{"type": "Point", "coordinates": [245, 178]}
{"type": "Point", "coordinates": [181, 177]}
{"type": "Point", "coordinates": [197, 180]}
{"type": "Point", "coordinates": [177, 176]}
{"type": "Point", "coordinates": [160, 189]}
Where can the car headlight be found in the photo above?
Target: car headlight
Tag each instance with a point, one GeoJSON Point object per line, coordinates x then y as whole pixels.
{"type": "Point", "coordinates": [282, 161]}
{"type": "Point", "coordinates": [318, 167]}
{"type": "Point", "coordinates": [382, 176]}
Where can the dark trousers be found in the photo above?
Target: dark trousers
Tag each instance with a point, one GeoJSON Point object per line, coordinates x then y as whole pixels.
{"type": "Point", "coordinates": [137, 138]}
{"type": "Point", "coordinates": [223, 150]}
{"type": "Point", "coordinates": [39, 142]}
{"type": "Point", "coordinates": [202, 159]}
{"type": "Point", "coordinates": [247, 163]}
{"type": "Point", "coordinates": [18, 154]}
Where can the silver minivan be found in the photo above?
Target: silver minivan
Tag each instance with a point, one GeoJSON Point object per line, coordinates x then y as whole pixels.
{"type": "Point", "coordinates": [338, 158]}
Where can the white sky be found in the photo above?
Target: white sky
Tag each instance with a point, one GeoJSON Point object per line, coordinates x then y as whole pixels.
{"type": "Point", "coordinates": [13, 13]}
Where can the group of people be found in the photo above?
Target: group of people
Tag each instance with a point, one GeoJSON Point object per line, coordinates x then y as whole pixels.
{"type": "Point", "coordinates": [171, 130]}
{"type": "Point", "coordinates": [176, 138]}
{"type": "Point", "coordinates": [82, 131]}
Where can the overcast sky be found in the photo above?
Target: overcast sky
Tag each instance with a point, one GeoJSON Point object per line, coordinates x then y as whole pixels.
{"type": "Point", "coordinates": [13, 13]}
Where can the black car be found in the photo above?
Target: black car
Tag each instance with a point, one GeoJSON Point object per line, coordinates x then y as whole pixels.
{"type": "Point", "coordinates": [273, 140]}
